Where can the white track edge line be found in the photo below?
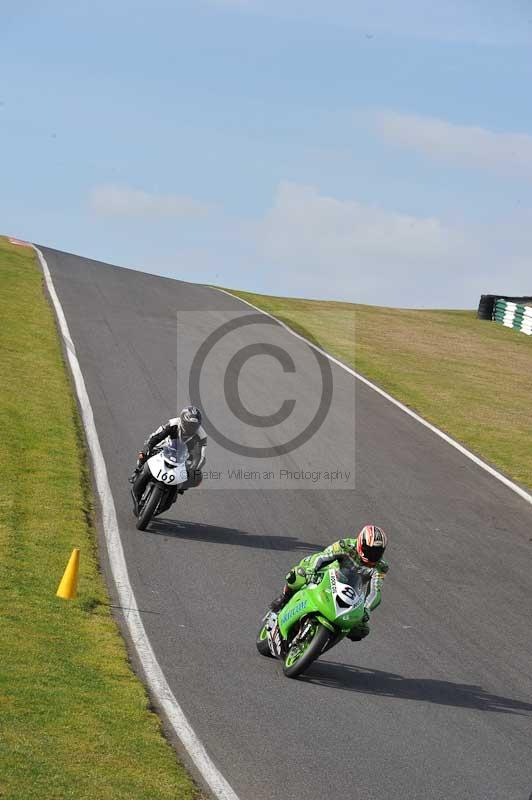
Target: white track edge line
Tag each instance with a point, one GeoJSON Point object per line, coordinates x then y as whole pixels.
{"type": "Point", "coordinates": [476, 460]}
{"type": "Point", "coordinates": [154, 675]}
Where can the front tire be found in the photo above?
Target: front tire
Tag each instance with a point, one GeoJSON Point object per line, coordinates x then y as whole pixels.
{"type": "Point", "coordinates": [149, 508]}
{"type": "Point", "coordinates": [301, 655]}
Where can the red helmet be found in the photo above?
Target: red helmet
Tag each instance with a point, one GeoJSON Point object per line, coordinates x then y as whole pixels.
{"type": "Point", "coordinates": [371, 544]}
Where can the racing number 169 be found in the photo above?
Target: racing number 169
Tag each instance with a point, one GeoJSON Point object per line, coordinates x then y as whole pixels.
{"type": "Point", "coordinates": [166, 477]}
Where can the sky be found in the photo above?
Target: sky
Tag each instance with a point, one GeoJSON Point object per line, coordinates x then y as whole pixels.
{"type": "Point", "coordinates": [372, 151]}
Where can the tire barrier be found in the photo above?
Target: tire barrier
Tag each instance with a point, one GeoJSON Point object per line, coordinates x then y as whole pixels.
{"type": "Point", "coordinates": [513, 315]}
{"type": "Point", "coordinates": [485, 306]}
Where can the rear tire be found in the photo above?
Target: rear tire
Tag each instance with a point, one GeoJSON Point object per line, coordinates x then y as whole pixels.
{"type": "Point", "coordinates": [298, 664]}
{"type": "Point", "coordinates": [149, 508]}
{"type": "Point", "coordinates": [262, 642]}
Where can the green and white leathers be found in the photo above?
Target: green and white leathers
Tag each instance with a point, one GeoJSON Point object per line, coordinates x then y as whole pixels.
{"type": "Point", "coordinates": [372, 576]}
{"type": "Point", "coordinates": [333, 591]}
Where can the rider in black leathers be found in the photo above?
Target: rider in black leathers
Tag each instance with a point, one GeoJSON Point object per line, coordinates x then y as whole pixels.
{"type": "Point", "coordinates": [186, 428]}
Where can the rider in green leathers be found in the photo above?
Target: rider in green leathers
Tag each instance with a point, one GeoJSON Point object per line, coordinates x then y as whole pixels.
{"type": "Point", "coordinates": [364, 553]}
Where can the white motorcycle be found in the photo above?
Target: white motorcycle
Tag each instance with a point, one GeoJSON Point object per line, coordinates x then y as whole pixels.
{"type": "Point", "coordinates": [157, 484]}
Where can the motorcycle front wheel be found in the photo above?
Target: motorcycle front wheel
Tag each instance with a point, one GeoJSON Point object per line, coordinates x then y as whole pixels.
{"type": "Point", "coordinates": [301, 655]}
{"type": "Point", "coordinates": [149, 508]}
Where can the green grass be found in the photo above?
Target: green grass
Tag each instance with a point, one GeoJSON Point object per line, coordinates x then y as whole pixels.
{"type": "Point", "coordinates": [472, 379]}
{"type": "Point", "coordinates": [75, 721]}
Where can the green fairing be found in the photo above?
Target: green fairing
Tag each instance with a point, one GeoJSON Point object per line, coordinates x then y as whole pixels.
{"type": "Point", "coordinates": [331, 593]}
{"type": "Point", "coordinates": [317, 600]}
{"type": "Point", "coordinates": [374, 576]}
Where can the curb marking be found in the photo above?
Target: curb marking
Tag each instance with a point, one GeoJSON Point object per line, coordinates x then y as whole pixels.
{"type": "Point", "coordinates": [467, 453]}
{"type": "Point", "coordinates": [155, 679]}
{"type": "Point", "coordinates": [18, 242]}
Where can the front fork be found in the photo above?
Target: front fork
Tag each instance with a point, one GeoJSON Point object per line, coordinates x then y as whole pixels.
{"type": "Point", "coordinates": [279, 647]}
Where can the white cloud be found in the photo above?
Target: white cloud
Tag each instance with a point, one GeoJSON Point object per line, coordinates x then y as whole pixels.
{"type": "Point", "coordinates": [309, 244]}
{"type": "Point", "coordinates": [123, 201]}
{"type": "Point", "coordinates": [316, 225]}
{"type": "Point", "coordinates": [343, 248]}
{"type": "Point", "coordinates": [504, 153]}
{"type": "Point", "coordinates": [318, 246]}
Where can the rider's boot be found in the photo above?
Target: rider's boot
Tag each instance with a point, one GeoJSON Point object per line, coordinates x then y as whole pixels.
{"type": "Point", "coordinates": [141, 460]}
{"type": "Point", "coordinates": [135, 502]}
{"type": "Point", "coordinates": [170, 499]}
{"type": "Point", "coordinates": [279, 602]}
{"type": "Point", "coordinates": [139, 485]}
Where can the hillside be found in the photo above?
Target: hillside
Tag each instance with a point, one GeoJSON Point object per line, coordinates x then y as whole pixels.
{"type": "Point", "coordinates": [470, 378]}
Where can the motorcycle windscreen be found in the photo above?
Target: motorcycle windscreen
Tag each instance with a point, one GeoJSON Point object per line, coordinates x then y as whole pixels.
{"type": "Point", "coordinates": [349, 592]}
{"type": "Point", "coordinates": [175, 453]}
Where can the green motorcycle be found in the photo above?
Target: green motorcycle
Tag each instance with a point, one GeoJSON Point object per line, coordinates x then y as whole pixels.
{"type": "Point", "coordinates": [316, 618]}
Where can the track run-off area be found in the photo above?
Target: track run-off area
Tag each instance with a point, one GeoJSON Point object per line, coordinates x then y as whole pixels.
{"type": "Point", "coordinates": [437, 701]}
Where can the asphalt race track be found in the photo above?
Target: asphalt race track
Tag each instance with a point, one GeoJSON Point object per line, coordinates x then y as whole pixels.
{"type": "Point", "coordinates": [437, 701]}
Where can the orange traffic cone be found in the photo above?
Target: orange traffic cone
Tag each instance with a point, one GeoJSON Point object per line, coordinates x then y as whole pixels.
{"type": "Point", "coordinates": [69, 582]}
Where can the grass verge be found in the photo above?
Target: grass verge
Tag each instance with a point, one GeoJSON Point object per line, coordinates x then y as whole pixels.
{"type": "Point", "coordinates": [75, 719]}
{"type": "Point", "coordinates": [472, 379]}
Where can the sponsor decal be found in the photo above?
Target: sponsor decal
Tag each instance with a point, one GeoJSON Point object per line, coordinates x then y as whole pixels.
{"type": "Point", "coordinates": [276, 638]}
{"type": "Point", "coordinates": [293, 611]}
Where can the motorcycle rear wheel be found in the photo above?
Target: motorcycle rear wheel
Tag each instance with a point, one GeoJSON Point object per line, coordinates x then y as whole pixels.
{"type": "Point", "coordinates": [149, 508]}
{"type": "Point", "coordinates": [301, 655]}
{"type": "Point", "coordinates": [262, 642]}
